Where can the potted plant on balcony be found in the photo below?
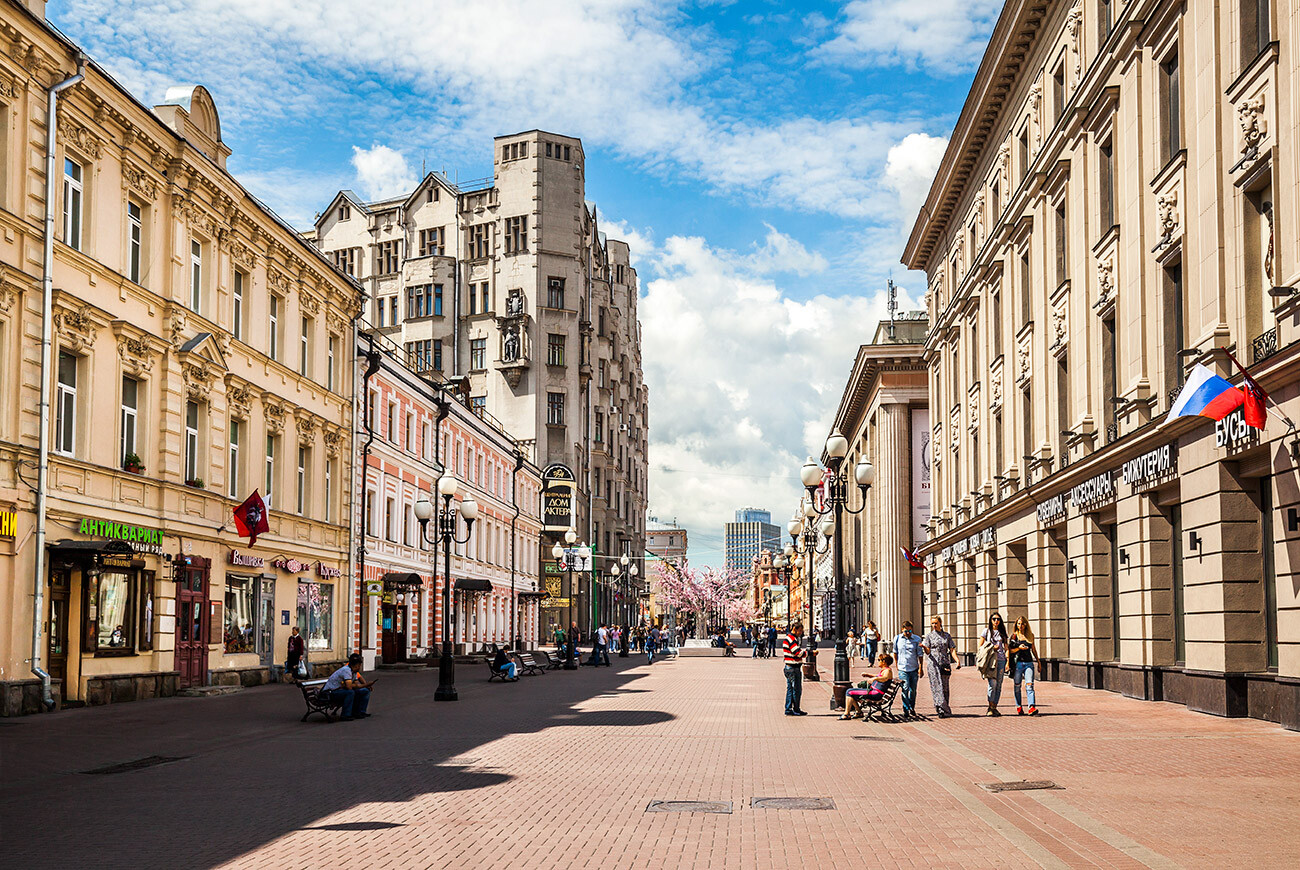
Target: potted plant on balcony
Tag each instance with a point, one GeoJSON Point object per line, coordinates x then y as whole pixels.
{"type": "Point", "coordinates": [196, 482]}
{"type": "Point", "coordinates": [131, 462]}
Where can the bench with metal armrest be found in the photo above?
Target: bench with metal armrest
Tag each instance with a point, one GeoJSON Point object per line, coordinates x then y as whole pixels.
{"type": "Point", "coordinates": [527, 664]}
{"type": "Point", "coordinates": [325, 704]}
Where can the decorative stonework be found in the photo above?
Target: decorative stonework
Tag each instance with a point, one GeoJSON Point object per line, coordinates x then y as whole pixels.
{"type": "Point", "coordinates": [995, 390]}
{"type": "Point", "coordinates": [7, 89]}
{"type": "Point", "coordinates": [1035, 103]}
{"type": "Point", "coordinates": [137, 354]}
{"type": "Point", "coordinates": [274, 416]}
{"type": "Point", "coordinates": [1250, 115]}
{"type": "Point", "coordinates": [306, 424]}
{"type": "Point", "coordinates": [176, 323]}
{"type": "Point", "coordinates": [242, 254]}
{"type": "Point", "coordinates": [75, 328]}
{"type": "Point", "coordinates": [1167, 221]}
{"type": "Point", "coordinates": [199, 219]}
{"type": "Point", "coordinates": [1023, 356]}
{"type": "Point", "coordinates": [1074, 29]}
{"type": "Point", "coordinates": [239, 399]}
{"type": "Point", "coordinates": [333, 442]}
{"type": "Point", "coordinates": [1060, 326]}
{"type": "Point", "coordinates": [137, 179]}
{"type": "Point", "coordinates": [198, 381]}
{"type": "Point", "coordinates": [1004, 163]}
{"type": "Point", "coordinates": [335, 324]}
{"type": "Point", "coordinates": [85, 141]}
{"type": "Point", "coordinates": [278, 280]}
{"type": "Point", "coordinates": [310, 304]}
{"type": "Point", "coordinates": [1105, 281]}
{"type": "Point", "coordinates": [973, 409]}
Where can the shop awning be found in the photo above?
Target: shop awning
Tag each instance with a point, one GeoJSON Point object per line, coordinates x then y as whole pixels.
{"type": "Point", "coordinates": [404, 580]}
{"type": "Point", "coordinates": [91, 548]}
{"type": "Point", "coordinates": [473, 584]}
{"type": "Point", "coordinates": [539, 594]}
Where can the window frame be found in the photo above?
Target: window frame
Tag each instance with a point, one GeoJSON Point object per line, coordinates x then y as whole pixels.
{"type": "Point", "coordinates": [191, 442]}
{"type": "Point", "coordinates": [128, 417]}
{"type": "Point", "coordinates": [134, 241]}
{"type": "Point", "coordinates": [74, 203]}
{"type": "Point", "coordinates": [65, 427]}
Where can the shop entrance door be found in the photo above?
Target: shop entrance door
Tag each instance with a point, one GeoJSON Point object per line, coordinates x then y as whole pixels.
{"type": "Point", "coordinates": [394, 633]}
{"type": "Point", "coordinates": [266, 623]}
{"type": "Point", "coordinates": [57, 650]}
{"type": "Point", "coordinates": [192, 620]}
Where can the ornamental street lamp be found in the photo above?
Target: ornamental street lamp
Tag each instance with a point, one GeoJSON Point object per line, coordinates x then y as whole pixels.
{"type": "Point", "coordinates": [567, 555]}
{"type": "Point", "coordinates": [783, 567]}
{"type": "Point", "coordinates": [836, 485]}
{"type": "Point", "coordinates": [445, 531]}
{"type": "Point", "coordinates": [803, 546]}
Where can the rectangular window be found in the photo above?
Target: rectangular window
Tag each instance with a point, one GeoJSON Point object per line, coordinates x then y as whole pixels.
{"type": "Point", "coordinates": [600, 427]}
{"type": "Point", "coordinates": [134, 240]}
{"type": "Point", "coordinates": [517, 235]}
{"type": "Point", "coordinates": [113, 619]}
{"type": "Point", "coordinates": [269, 487]}
{"type": "Point", "coordinates": [480, 241]}
{"type": "Point", "coordinates": [472, 298]}
{"type": "Point", "coordinates": [316, 614]}
{"type": "Point", "coordinates": [392, 310]}
{"type": "Point", "coordinates": [273, 328]}
{"type": "Point", "coordinates": [1110, 371]}
{"type": "Point", "coordinates": [1106, 173]}
{"type": "Point", "coordinates": [346, 260]}
{"type": "Point", "coordinates": [1109, 533]}
{"type": "Point", "coordinates": [1058, 93]}
{"type": "Point", "coordinates": [1175, 328]}
{"type": "Point", "coordinates": [1256, 28]}
{"type": "Point", "coordinates": [237, 309]}
{"type": "Point", "coordinates": [372, 518]}
{"type": "Point", "coordinates": [408, 526]}
{"type": "Point", "coordinates": [1176, 569]}
{"type": "Point", "coordinates": [345, 211]}
{"type": "Point", "coordinates": [408, 435]}
{"type": "Point", "coordinates": [555, 409]}
{"type": "Point", "coordinates": [232, 469]}
{"type": "Point", "coordinates": [437, 300]}
{"type": "Point", "coordinates": [478, 404]}
{"type": "Point", "coordinates": [1027, 428]}
{"type": "Point", "coordinates": [389, 260]}
{"type": "Point", "coordinates": [72, 202]}
{"type": "Point", "coordinates": [433, 241]}
{"type": "Point", "coordinates": [330, 357]}
{"type": "Point", "coordinates": [191, 441]}
{"type": "Point", "coordinates": [600, 381]}
{"type": "Point", "coordinates": [304, 462]}
{"type": "Point", "coordinates": [437, 354]}
{"type": "Point", "coordinates": [329, 490]}
{"type": "Point", "coordinates": [478, 354]}
{"type": "Point", "coordinates": [392, 423]}
{"type": "Point", "coordinates": [1105, 19]}
{"type": "Point", "coordinates": [554, 292]}
{"type": "Point", "coordinates": [1062, 242]}
{"type": "Point", "coordinates": [196, 275]}
{"type": "Point", "coordinates": [1022, 153]}
{"type": "Point", "coordinates": [484, 298]}
{"type": "Point", "coordinates": [1063, 411]}
{"type": "Point", "coordinates": [555, 349]}
{"type": "Point", "coordinates": [390, 519]}
{"type": "Point", "coordinates": [239, 632]}
{"type": "Point", "coordinates": [1171, 130]}
{"type": "Point", "coordinates": [130, 410]}
{"type": "Point", "coordinates": [304, 362]}
{"type": "Point", "coordinates": [1026, 290]}
{"type": "Point", "coordinates": [995, 315]}
{"type": "Point", "coordinates": [65, 406]}
{"type": "Point", "coordinates": [998, 458]}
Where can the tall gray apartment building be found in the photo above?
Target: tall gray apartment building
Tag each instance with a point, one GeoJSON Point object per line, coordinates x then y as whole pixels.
{"type": "Point", "coordinates": [751, 534]}
{"type": "Point", "coordinates": [507, 289]}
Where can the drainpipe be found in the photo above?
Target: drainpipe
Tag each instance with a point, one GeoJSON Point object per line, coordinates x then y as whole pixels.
{"type": "Point", "coordinates": [514, 601]}
{"type": "Point", "coordinates": [372, 366]}
{"type": "Point", "coordinates": [444, 408]}
{"type": "Point", "coordinates": [47, 302]}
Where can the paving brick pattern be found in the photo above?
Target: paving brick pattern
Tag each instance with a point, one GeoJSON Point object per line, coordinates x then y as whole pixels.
{"type": "Point", "coordinates": [558, 770]}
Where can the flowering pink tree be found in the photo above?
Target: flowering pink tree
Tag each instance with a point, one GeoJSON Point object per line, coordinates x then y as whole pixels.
{"type": "Point", "coordinates": [709, 594]}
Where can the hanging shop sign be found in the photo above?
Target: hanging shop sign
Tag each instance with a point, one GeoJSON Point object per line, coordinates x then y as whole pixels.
{"type": "Point", "coordinates": [1233, 433]}
{"type": "Point", "coordinates": [293, 566]}
{"type": "Point", "coordinates": [141, 539]}
{"type": "Point", "coordinates": [8, 524]}
{"type": "Point", "coordinates": [1151, 467]}
{"type": "Point", "coordinates": [243, 560]}
{"type": "Point", "coordinates": [374, 587]}
{"type": "Point", "coordinates": [323, 570]}
{"type": "Point", "coordinates": [1093, 492]}
{"type": "Point", "coordinates": [117, 560]}
{"type": "Point", "coordinates": [558, 488]}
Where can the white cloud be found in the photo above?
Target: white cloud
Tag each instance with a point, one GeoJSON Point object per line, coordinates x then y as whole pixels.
{"type": "Point", "coordinates": [744, 380]}
{"type": "Point", "coordinates": [942, 36]}
{"type": "Point", "coordinates": [382, 172]}
{"type": "Point", "coordinates": [909, 170]}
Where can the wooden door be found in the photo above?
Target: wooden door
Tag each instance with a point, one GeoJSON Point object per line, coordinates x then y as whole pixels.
{"type": "Point", "coordinates": [388, 635]}
{"type": "Point", "coordinates": [57, 646]}
{"type": "Point", "coordinates": [192, 622]}
{"type": "Point", "coordinates": [399, 633]}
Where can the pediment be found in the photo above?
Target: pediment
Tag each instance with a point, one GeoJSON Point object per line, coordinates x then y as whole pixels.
{"type": "Point", "coordinates": [203, 347]}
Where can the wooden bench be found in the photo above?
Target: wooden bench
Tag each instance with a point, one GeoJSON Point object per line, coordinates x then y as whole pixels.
{"type": "Point", "coordinates": [494, 674]}
{"type": "Point", "coordinates": [527, 664]}
{"type": "Point", "coordinates": [327, 706]}
{"type": "Point", "coordinates": [549, 661]}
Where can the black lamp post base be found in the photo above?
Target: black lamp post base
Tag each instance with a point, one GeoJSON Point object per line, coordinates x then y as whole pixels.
{"type": "Point", "coordinates": [446, 690]}
{"type": "Point", "coordinates": [445, 693]}
{"type": "Point", "coordinates": [838, 691]}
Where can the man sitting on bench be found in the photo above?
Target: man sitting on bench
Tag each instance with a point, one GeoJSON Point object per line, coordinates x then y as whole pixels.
{"type": "Point", "coordinates": [349, 688]}
{"type": "Point", "coordinates": [502, 662]}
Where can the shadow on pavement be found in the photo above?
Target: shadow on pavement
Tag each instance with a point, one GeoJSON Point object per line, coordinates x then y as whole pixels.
{"type": "Point", "coordinates": [249, 772]}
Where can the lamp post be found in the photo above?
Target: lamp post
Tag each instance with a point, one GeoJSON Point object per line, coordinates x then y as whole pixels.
{"type": "Point", "coordinates": [835, 477]}
{"type": "Point", "coordinates": [802, 548]}
{"type": "Point", "coordinates": [445, 531]}
{"type": "Point", "coordinates": [567, 554]}
{"type": "Point", "coordinates": [783, 568]}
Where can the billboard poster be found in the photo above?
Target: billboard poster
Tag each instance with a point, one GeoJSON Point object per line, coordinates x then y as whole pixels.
{"type": "Point", "coordinates": [921, 466]}
{"type": "Point", "coordinates": [558, 489]}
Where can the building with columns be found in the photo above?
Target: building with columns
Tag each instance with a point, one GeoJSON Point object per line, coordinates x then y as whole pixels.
{"type": "Point", "coordinates": [200, 351]}
{"type": "Point", "coordinates": [1119, 204]}
{"type": "Point", "coordinates": [507, 287]}
{"type": "Point", "coordinates": [884, 414]}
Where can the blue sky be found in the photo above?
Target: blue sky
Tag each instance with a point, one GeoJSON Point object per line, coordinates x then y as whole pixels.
{"type": "Point", "coordinates": [765, 160]}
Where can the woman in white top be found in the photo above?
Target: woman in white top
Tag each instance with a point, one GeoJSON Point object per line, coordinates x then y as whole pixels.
{"type": "Point", "coordinates": [996, 635]}
{"type": "Point", "coordinates": [870, 641]}
{"type": "Point", "coordinates": [851, 644]}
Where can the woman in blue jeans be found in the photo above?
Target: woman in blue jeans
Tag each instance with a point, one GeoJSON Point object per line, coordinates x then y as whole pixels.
{"type": "Point", "coordinates": [1022, 662]}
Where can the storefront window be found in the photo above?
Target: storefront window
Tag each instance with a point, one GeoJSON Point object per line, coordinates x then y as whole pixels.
{"type": "Point", "coordinates": [114, 611]}
{"type": "Point", "coordinates": [316, 613]}
{"type": "Point", "coordinates": [238, 636]}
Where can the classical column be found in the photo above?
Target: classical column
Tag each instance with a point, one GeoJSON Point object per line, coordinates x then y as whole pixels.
{"type": "Point", "coordinates": [893, 494]}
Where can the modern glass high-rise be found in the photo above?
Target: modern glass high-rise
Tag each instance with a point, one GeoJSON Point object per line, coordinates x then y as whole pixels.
{"type": "Point", "coordinates": [751, 534]}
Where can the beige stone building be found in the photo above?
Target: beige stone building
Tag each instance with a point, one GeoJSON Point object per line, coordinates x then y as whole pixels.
{"type": "Point", "coordinates": [884, 414]}
{"type": "Point", "coordinates": [1118, 203]}
{"type": "Point", "coordinates": [200, 350]}
{"type": "Point", "coordinates": [508, 287]}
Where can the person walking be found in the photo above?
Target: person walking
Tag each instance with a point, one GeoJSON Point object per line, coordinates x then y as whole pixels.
{"type": "Point", "coordinates": [651, 644]}
{"type": "Point", "coordinates": [993, 653]}
{"type": "Point", "coordinates": [870, 641]}
{"type": "Point", "coordinates": [1022, 660]}
{"type": "Point", "coordinates": [771, 640]}
{"type": "Point", "coordinates": [296, 649]}
{"type": "Point", "coordinates": [794, 654]}
{"type": "Point", "coordinates": [756, 643]}
{"type": "Point", "coordinates": [940, 655]}
{"type": "Point", "coordinates": [851, 646]}
{"type": "Point", "coordinates": [602, 646]}
{"type": "Point", "coordinates": [907, 653]}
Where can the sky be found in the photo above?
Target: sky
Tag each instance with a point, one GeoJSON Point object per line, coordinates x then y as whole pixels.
{"type": "Point", "coordinates": [764, 160]}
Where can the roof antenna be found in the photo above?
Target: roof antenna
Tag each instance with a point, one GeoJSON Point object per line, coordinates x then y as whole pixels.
{"type": "Point", "coordinates": [892, 304]}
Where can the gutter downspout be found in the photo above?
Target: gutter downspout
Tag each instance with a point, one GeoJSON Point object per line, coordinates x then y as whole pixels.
{"type": "Point", "coordinates": [444, 408]}
{"type": "Point", "coordinates": [47, 305]}
{"type": "Point", "coordinates": [372, 366]}
{"type": "Point", "coordinates": [353, 563]}
{"type": "Point", "coordinates": [514, 501]}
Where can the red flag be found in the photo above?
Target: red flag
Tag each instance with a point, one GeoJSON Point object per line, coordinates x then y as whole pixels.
{"type": "Point", "coordinates": [1256, 412]}
{"type": "Point", "coordinates": [912, 559]}
{"type": "Point", "coordinates": [250, 518]}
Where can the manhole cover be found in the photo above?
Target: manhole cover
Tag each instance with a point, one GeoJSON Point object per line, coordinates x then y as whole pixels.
{"type": "Point", "coordinates": [792, 803]}
{"type": "Point", "coordinates": [1021, 785]}
{"type": "Point", "coordinates": [689, 807]}
{"type": "Point", "coordinates": [138, 764]}
{"type": "Point", "coordinates": [881, 739]}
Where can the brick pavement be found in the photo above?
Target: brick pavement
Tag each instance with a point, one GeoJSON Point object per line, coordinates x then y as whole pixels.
{"type": "Point", "coordinates": [558, 770]}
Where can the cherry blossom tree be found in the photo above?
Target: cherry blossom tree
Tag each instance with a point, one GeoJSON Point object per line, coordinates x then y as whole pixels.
{"type": "Point", "coordinates": [711, 594]}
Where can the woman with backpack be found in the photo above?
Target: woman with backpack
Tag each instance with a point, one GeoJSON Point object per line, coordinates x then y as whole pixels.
{"type": "Point", "coordinates": [992, 660]}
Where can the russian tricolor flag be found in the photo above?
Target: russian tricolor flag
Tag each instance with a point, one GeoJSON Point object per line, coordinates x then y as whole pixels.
{"type": "Point", "coordinates": [1207, 395]}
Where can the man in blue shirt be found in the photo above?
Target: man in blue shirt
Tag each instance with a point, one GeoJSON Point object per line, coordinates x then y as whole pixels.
{"type": "Point", "coordinates": [350, 688]}
{"type": "Point", "coordinates": [907, 654]}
